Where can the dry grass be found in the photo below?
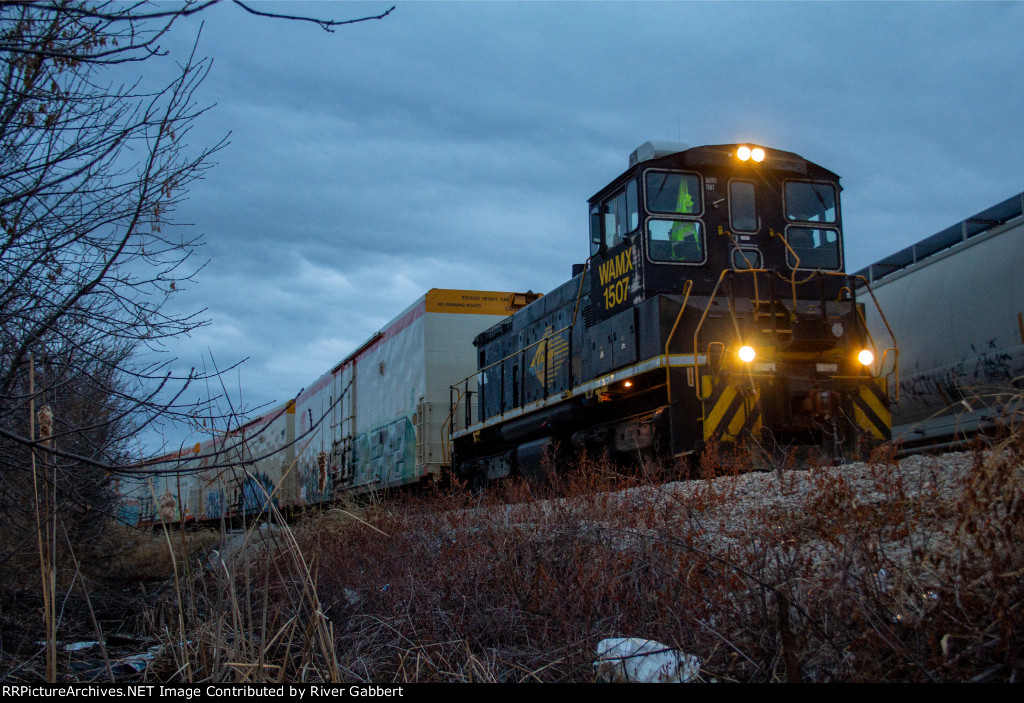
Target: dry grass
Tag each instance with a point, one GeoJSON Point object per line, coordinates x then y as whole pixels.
{"type": "Point", "coordinates": [249, 612]}
{"type": "Point", "coordinates": [869, 572]}
{"type": "Point", "coordinates": [888, 575]}
{"type": "Point", "coordinates": [134, 556]}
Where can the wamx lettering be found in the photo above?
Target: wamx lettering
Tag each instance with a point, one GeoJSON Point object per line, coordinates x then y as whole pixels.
{"type": "Point", "coordinates": [614, 277]}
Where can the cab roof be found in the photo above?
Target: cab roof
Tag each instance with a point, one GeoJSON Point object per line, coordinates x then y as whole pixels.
{"type": "Point", "coordinates": [676, 155]}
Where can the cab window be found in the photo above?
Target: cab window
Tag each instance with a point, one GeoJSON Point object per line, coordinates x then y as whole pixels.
{"type": "Point", "coordinates": [742, 206]}
{"type": "Point", "coordinates": [610, 220]}
{"type": "Point", "coordinates": [677, 241]}
{"type": "Point", "coordinates": [746, 259]}
{"type": "Point", "coordinates": [677, 193]}
{"type": "Point", "coordinates": [616, 217]}
{"type": "Point", "coordinates": [816, 248]}
{"type": "Point", "coordinates": [595, 230]}
{"type": "Point", "coordinates": [632, 206]}
{"type": "Point", "coordinates": [811, 202]}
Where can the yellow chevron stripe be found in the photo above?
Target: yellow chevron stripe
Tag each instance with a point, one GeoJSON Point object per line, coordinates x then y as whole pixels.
{"type": "Point", "coordinates": [883, 426]}
{"type": "Point", "coordinates": [738, 419]}
{"type": "Point", "coordinates": [714, 419]}
{"type": "Point", "coordinates": [875, 404]}
{"type": "Point", "coordinates": [748, 406]}
{"type": "Point", "coordinates": [718, 422]}
{"type": "Point", "coordinates": [866, 424]}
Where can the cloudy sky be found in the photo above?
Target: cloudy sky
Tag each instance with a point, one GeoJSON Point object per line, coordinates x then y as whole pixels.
{"type": "Point", "coordinates": [455, 144]}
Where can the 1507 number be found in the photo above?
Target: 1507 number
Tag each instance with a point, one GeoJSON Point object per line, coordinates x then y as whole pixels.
{"type": "Point", "coordinates": [615, 294]}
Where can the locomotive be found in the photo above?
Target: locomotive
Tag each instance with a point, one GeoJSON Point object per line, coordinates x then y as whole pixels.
{"type": "Point", "coordinates": [714, 307]}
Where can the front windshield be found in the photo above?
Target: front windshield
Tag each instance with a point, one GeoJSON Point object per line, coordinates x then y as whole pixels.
{"type": "Point", "coordinates": [742, 206]}
{"type": "Point", "coordinates": [815, 248]}
{"type": "Point", "coordinates": [677, 193]}
{"type": "Point", "coordinates": [810, 202]}
{"type": "Point", "coordinates": [677, 241]}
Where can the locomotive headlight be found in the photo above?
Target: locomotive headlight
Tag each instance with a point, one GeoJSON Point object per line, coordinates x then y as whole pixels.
{"type": "Point", "coordinates": [746, 153]}
{"type": "Point", "coordinates": [866, 357]}
{"type": "Point", "coordinates": [747, 353]}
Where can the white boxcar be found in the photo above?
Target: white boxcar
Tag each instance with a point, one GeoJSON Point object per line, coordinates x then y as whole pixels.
{"type": "Point", "coordinates": [230, 475]}
{"type": "Point", "coordinates": [956, 304]}
{"type": "Point", "coordinates": [379, 418]}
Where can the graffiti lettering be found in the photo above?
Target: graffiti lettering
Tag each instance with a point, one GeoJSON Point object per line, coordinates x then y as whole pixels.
{"type": "Point", "coordinates": [256, 494]}
{"type": "Point", "coordinates": [386, 453]}
{"type": "Point", "coordinates": [215, 503]}
{"type": "Point", "coordinates": [965, 380]}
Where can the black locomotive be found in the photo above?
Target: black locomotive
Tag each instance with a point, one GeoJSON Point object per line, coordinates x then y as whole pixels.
{"type": "Point", "coordinates": [714, 307]}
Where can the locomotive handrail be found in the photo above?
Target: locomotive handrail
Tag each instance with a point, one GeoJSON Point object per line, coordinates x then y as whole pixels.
{"type": "Point", "coordinates": [895, 348]}
{"type": "Point", "coordinates": [867, 287]}
{"type": "Point", "coordinates": [687, 287]}
{"type": "Point", "coordinates": [732, 314]}
{"type": "Point", "coordinates": [796, 258]}
{"type": "Point", "coordinates": [791, 280]}
{"type": "Point", "coordinates": [850, 278]}
{"type": "Point", "coordinates": [749, 267]}
{"type": "Point", "coordinates": [449, 420]}
{"type": "Point", "coordinates": [696, 332]}
{"type": "Point", "coordinates": [700, 324]}
{"type": "Point", "coordinates": [544, 340]}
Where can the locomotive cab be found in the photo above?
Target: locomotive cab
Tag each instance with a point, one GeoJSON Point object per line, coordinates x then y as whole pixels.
{"type": "Point", "coordinates": [683, 215]}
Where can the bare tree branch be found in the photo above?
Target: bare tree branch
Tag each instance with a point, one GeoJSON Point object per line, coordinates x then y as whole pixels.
{"type": "Point", "coordinates": [92, 172]}
{"type": "Point", "coordinates": [326, 25]}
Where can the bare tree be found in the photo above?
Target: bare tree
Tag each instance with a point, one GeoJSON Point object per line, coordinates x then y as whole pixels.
{"type": "Point", "coordinates": [90, 174]}
{"type": "Point", "coordinates": [92, 169]}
